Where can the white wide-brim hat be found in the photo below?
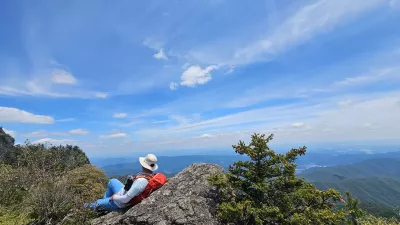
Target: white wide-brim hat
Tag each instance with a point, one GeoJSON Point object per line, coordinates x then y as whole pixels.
{"type": "Point", "coordinates": [149, 162]}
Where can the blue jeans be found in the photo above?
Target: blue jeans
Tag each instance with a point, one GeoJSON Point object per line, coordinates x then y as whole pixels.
{"type": "Point", "coordinates": [105, 204]}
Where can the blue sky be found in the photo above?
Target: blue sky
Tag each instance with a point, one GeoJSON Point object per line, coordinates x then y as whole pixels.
{"type": "Point", "coordinates": [162, 75]}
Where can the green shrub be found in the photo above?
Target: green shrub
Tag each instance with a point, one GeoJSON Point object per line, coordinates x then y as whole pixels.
{"type": "Point", "coordinates": [57, 198]}
{"type": "Point", "coordinates": [87, 182]}
{"type": "Point", "coordinates": [46, 185]}
{"type": "Point", "coordinates": [13, 217]}
{"type": "Point", "coordinates": [13, 187]}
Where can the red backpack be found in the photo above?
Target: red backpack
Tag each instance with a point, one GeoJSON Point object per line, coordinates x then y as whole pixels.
{"type": "Point", "coordinates": [155, 182]}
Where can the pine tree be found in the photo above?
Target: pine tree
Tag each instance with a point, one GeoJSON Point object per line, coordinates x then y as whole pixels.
{"type": "Point", "coordinates": [266, 190]}
{"type": "Point", "coordinates": [354, 211]}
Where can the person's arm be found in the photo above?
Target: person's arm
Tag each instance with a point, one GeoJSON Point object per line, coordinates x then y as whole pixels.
{"type": "Point", "coordinates": [136, 189]}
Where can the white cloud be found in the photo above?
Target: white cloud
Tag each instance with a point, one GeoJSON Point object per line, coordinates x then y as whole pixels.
{"type": "Point", "coordinates": [66, 120]}
{"type": "Point", "coordinates": [55, 141]}
{"type": "Point", "coordinates": [62, 77]}
{"type": "Point", "coordinates": [21, 116]}
{"type": "Point", "coordinates": [114, 135]}
{"type": "Point", "coordinates": [79, 131]}
{"type": "Point", "coordinates": [10, 132]}
{"type": "Point", "coordinates": [195, 75]}
{"type": "Point", "coordinates": [120, 115]}
{"type": "Point", "coordinates": [173, 86]}
{"type": "Point", "coordinates": [160, 55]}
{"type": "Point", "coordinates": [100, 95]}
{"type": "Point", "coordinates": [298, 125]}
{"type": "Point", "coordinates": [206, 136]}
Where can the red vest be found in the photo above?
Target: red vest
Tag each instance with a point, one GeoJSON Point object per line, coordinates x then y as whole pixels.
{"type": "Point", "coordinates": [155, 182]}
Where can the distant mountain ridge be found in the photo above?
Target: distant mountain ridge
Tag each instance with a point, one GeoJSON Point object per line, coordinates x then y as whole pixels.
{"type": "Point", "coordinates": [171, 164]}
{"type": "Point", "coordinates": [376, 182]}
{"type": "Point", "coordinates": [174, 164]}
{"type": "Point", "coordinates": [380, 168]}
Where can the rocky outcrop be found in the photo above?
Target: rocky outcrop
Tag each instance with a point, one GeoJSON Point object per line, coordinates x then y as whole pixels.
{"type": "Point", "coordinates": [186, 198]}
{"type": "Point", "coordinates": [5, 139]}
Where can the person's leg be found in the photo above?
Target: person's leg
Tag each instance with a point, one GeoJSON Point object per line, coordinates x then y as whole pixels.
{"type": "Point", "coordinates": [106, 205]}
{"type": "Point", "coordinates": [103, 204]}
{"type": "Point", "coordinates": [113, 187]}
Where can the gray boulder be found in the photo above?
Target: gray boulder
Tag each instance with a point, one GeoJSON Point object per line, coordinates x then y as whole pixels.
{"type": "Point", "coordinates": [186, 198]}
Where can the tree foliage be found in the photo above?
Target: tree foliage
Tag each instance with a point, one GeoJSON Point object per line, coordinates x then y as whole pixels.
{"type": "Point", "coordinates": [266, 190]}
{"type": "Point", "coordinates": [354, 211]}
{"type": "Point", "coordinates": [372, 220]}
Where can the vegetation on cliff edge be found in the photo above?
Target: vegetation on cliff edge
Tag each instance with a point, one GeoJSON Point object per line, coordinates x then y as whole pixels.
{"type": "Point", "coordinates": [266, 190]}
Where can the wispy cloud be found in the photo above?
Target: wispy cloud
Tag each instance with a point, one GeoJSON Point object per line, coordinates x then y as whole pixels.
{"type": "Point", "coordinates": [100, 94]}
{"type": "Point", "coordinates": [308, 88]}
{"type": "Point", "coordinates": [43, 133]}
{"type": "Point", "coordinates": [173, 86]}
{"type": "Point", "coordinates": [307, 22]}
{"type": "Point", "coordinates": [47, 82]}
{"type": "Point", "coordinates": [55, 141]}
{"type": "Point", "coordinates": [120, 115]}
{"type": "Point", "coordinates": [376, 110]}
{"type": "Point", "coordinates": [166, 121]}
{"type": "Point", "coordinates": [66, 120]}
{"type": "Point", "coordinates": [62, 77]}
{"type": "Point", "coordinates": [372, 77]}
{"type": "Point", "coordinates": [160, 55]}
{"type": "Point", "coordinates": [34, 89]}
{"type": "Point", "coordinates": [79, 131]}
{"type": "Point", "coordinates": [126, 124]}
{"type": "Point", "coordinates": [298, 125]}
{"type": "Point", "coordinates": [345, 102]}
{"type": "Point", "coordinates": [114, 135]}
{"type": "Point", "coordinates": [17, 115]}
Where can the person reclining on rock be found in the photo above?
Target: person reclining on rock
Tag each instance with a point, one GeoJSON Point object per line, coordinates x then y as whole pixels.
{"type": "Point", "coordinates": [119, 196]}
